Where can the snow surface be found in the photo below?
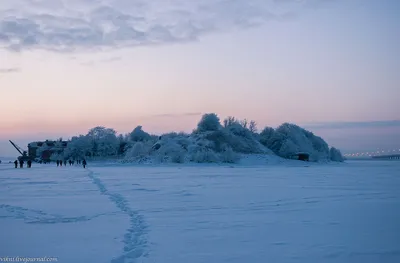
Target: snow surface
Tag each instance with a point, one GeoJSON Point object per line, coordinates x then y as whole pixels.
{"type": "Point", "coordinates": [282, 212]}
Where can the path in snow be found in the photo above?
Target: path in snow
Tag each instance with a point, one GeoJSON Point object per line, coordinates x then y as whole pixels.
{"type": "Point", "coordinates": [297, 213]}
{"type": "Point", "coordinates": [57, 212]}
{"type": "Point", "coordinates": [134, 239]}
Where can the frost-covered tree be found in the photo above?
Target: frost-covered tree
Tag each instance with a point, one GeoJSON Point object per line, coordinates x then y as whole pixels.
{"type": "Point", "coordinates": [271, 139]}
{"type": "Point", "coordinates": [229, 121]}
{"type": "Point", "coordinates": [289, 139]}
{"type": "Point", "coordinates": [172, 151]}
{"type": "Point", "coordinates": [138, 150]}
{"type": "Point", "coordinates": [288, 148]}
{"type": "Point", "coordinates": [122, 144]}
{"type": "Point", "coordinates": [253, 126]}
{"type": "Point", "coordinates": [209, 122]}
{"type": "Point", "coordinates": [202, 154]}
{"type": "Point", "coordinates": [266, 135]}
{"type": "Point", "coordinates": [305, 141]}
{"type": "Point", "coordinates": [335, 155]}
{"type": "Point", "coordinates": [239, 130]}
{"type": "Point", "coordinates": [229, 156]}
{"type": "Point", "coordinates": [244, 123]}
{"type": "Point", "coordinates": [104, 141]}
{"type": "Point", "coordinates": [78, 147]}
{"type": "Point", "coordinates": [101, 132]}
{"type": "Point", "coordinates": [138, 135]}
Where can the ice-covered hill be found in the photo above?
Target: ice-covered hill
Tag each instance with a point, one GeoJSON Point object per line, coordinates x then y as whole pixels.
{"type": "Point", "coordinates": [211, 142]}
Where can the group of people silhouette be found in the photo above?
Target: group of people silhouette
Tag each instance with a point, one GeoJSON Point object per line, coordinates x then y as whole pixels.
{"type": "Point", "coordinates": [21, 163]}
{"type": "Point", "coordinates": [59, 163]}
{"type": "Point", "coordinates": [71, 162]}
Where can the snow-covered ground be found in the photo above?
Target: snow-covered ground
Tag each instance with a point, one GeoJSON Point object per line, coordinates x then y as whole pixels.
{"type": "Point", "coordinates": [281, 212]}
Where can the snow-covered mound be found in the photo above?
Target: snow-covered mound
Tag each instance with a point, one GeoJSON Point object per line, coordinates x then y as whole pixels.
{"type": "Point", "coordinates": [289, 139]}
{"type": "Point", "coordinates": [210, 142]}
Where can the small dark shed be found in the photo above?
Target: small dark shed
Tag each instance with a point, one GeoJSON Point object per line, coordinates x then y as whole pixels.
{"type": "Point", "coordinates": [301, 156]}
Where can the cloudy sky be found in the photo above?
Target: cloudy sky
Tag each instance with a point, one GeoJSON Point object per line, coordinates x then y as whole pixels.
{"type": "Point", "coordinates": [328, 65]}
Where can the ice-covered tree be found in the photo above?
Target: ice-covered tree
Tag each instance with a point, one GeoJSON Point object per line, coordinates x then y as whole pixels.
{"type": "Point", "coordinates": [239, 130]}
{"type": "Point", "coordinates": [289, 139]}
{"type": "Point", "coordinates": [122, 144]}
{"type": "Point", "coordinates": [229, 156]}
{"type": "Point", "coordinates": [137, 150]}
{"type": "Point", "coordinates": [229, 121]}
{"type": "Point", "coordinates": [138, 135]}
{"type": "Point", "coordinates": [253, 126]}
{"type": "Point", "coordinates": [78, 147]}
{"type": "Point", "coordinates": [244, 123]}
{"type": "Point", "coordinates": [209, 122]}
{"type": "Point", "coordinates": [288, 148]}
{"type": "Point", "coordinates": [335, 155]}
{"type": "Point", "coordinates": [271, 139]}
{"type": "Point", "coordinates": [100, 132]}
{"type": "Point", "coordinates": [104, 141]}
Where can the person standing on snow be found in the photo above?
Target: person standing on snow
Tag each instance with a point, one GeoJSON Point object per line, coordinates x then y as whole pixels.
{"type": "Point", "coordinates": [16, 163]}
{"type": "Point", "coordinates": [84, 163]}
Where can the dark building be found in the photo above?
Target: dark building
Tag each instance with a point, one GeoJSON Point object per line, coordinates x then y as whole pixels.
{"type": "Point", "coordinates": [46, 149]}
{"type": "Point", "coordinates": [301, 156]}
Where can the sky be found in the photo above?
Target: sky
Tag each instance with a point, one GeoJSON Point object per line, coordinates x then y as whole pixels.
{"type": "Point", "coordinates": [330, 66]}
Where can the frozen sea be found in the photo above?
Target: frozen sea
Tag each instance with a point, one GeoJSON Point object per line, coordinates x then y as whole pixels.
{"type": "Point", "coordinates": [284, 212]}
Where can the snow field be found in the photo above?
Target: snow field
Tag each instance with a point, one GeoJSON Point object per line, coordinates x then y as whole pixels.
{"type": "Point", "coordinates": [290, 212]}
